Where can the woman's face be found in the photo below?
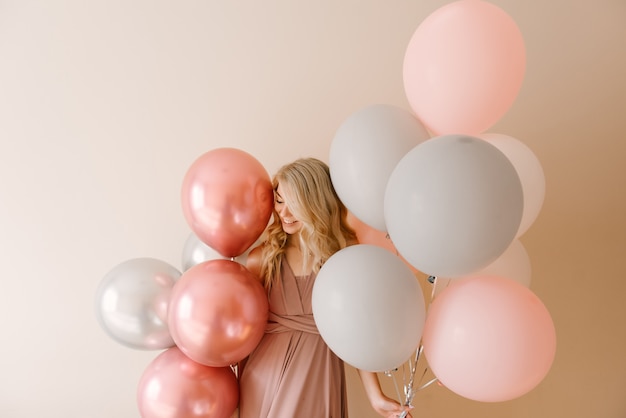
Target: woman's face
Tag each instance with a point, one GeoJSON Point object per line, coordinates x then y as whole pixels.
{"type": "Point", "coordinates": [290, 224]}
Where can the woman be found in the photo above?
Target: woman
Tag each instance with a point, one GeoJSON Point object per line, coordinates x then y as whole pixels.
{"type": "Point", "coordinates": [292, 372]}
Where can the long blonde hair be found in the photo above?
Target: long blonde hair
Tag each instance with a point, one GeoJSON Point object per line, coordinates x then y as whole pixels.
{"type": "Point", "coordinates": [311, 198]}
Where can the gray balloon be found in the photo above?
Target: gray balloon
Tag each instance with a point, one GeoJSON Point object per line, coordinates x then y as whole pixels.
{"type": "Point", "coordinates": [132, 301]}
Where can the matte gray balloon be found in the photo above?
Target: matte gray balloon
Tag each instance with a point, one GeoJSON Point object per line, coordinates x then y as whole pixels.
{"type": "Point", "coordinates": [363, 154]}
{"type": "Point", "coordinates": [453, 205]}
{"type": "Point", "coordinates": [132, 301]}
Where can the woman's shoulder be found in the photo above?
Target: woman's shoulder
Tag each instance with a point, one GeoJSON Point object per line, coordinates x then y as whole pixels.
{"type": "Point", "coordinates": [351, 242]}
{"type": "Point", "coordinates": [254, 260]}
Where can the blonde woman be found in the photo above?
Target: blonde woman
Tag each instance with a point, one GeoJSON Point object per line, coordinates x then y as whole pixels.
{"type": "Point", "coordinates": [292, 372]}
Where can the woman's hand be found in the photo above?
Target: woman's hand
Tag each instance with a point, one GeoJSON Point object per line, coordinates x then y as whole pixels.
{"type": "Point", "coordinates": [389, 408]}
{"type": "Point", "coordinates": [383, 405]}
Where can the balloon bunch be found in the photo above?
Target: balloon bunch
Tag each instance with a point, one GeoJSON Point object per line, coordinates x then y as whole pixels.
{"type": "Point", "coordinates": [444, 198]}
{"type": "Point", "coordinates": [208, 318]}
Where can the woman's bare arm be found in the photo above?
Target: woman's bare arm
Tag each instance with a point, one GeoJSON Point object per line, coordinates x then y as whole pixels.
{"type": "Point", "coordinates": [382, 404]}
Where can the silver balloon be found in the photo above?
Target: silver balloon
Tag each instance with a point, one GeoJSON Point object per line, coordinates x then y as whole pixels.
{"type": "Point", "coordinates": [132, 301]}
{"type": "Point", "coordinates": [195, 252]}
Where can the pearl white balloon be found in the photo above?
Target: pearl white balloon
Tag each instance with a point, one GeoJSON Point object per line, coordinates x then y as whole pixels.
{"type": "Point", "coordinates": [453, 205]}
{"type": "Point", "coordinates": [365, 150]}
{"type": "Point", "coordinates": [369, 307]}
{"type": "Point", "coordinates": [530, 173]}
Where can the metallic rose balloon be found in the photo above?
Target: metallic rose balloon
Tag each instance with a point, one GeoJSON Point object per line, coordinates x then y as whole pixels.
{"type": "Point", "coordinates": [174, 386]}
{"type": "Point", "coordinates": [132, 300]}
{"type": "Point", "coordinates": [217, 313]}
{"type": "Point", "coordinates": [227, 200]}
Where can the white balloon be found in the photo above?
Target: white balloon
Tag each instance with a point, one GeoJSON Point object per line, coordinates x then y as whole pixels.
{"type": "Point", "coordinates": [530, 173]}
{"type": "Point", "coordinates": [513, 264]}
{"type": "Point", "coordinates": [364, 152]}
{"type": "Point", "coordinates": [369, 307]}
{"type": "Point", "coordinates": [453, 205]}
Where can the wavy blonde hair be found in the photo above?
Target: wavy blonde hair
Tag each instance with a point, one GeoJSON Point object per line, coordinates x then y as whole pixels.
{"type": "Point", "coordinates": [308, 192]}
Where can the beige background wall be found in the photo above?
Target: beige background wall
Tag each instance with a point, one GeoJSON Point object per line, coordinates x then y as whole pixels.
{"type": "Point", "coordinates": [105, 104]}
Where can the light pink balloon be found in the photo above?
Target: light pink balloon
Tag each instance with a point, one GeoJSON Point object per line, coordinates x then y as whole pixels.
{"type": "Point", "coordinates": [513, 264]}
{"type": "Point", "coordinates": [218, 312]}
{"type": "Point", "coordinates": [489, 339]}
{"type": "Point", "coordinates": [227, 200]}
{"type": "Point", "coordinates": [464, 67]}
{"type": "Point", "coordinates": [174, 386]}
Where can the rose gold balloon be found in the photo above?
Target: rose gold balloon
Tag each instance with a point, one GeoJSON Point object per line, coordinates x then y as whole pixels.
{"type": "Point", "coordinates": [217, 313]}
{"type": "Point", "coordinates": [227, 200]}
{"type": "Point", "coordinates": [174, 386]}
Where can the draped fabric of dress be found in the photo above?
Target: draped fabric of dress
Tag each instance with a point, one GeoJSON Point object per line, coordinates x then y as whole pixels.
{"type": "Point", "coordinates": [292, 372]}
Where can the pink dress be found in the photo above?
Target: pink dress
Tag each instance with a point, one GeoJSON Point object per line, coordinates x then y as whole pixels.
{"type": "Point", "coordinates": [292, 372]}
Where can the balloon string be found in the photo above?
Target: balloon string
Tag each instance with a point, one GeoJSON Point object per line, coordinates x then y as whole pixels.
{"type": "Point", "coordinates": [395, 382]}
{"type": "Point", "coordinates": [425, 385]}
{"type": "Point", "coordinates": [409, 389]}
{"type": "Point", "coordinates": [409, 382]}
{"type": "Point", "coordinates": [404, 379]}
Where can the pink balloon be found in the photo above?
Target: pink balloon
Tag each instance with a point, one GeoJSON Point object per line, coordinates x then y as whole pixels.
{"type": "Point", "coordinates": [513, 264]}
{"type": "Point", "coordinates": [366, 234]}
{"type": "Point", "coordinates": [217, 313]}
{"type": "Point", "coordinates": [174, 386]}
{"type": "Point", "coordinates": [489, 339]}
{"type": "Point", "coordinates": [464, 67]}
{"type": "Point", "coordinates": [227, 200]}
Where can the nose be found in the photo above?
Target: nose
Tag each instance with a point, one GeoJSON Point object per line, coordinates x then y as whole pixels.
{"type": "Point", "coordinates": [284, 211]}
